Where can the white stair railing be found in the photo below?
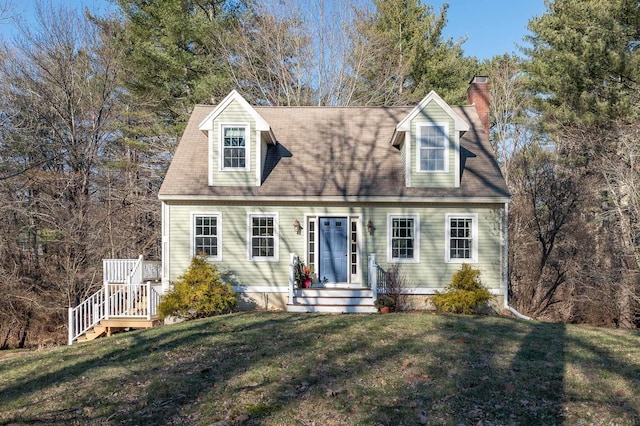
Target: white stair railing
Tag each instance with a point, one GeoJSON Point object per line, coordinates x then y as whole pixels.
{"type": "Point", "coordinates": [124, 295]}
{"type": "Point", "coordinates": [372, 273]}
{"type": "Point", "coordinates": [292, 277]}
{"type": "Point", "coordinates": [153, 300]}
{"type": "Point", "coordinates": [86, 315]}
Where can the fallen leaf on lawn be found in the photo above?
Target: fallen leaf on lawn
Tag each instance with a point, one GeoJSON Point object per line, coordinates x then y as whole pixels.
{"type": "Point", "coordinates": [331, 392]}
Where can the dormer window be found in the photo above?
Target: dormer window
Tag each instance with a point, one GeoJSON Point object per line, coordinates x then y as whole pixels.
{"type": "Point", "coordinates": [234, 153]}
{"type": "Point", "coordinates": [433, 147]}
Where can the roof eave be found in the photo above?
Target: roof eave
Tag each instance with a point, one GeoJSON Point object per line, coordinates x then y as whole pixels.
{"type": "Point", "coordinates": [339, 199]}
{"type": "Point", "coordinates": [207, 123]}
{"type": "Point", "coordinates": [460, 124]}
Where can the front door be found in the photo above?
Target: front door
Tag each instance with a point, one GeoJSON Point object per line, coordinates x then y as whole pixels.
{"type": "Point", "coordinates": [333, 249]}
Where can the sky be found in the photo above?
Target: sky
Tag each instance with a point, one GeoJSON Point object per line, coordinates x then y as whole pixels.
{"type": "Point", "coordinates": [492, 27]}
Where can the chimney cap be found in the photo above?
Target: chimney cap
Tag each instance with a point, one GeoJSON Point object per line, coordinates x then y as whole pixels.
{"type": "Point", "coordinates": [479, 79]}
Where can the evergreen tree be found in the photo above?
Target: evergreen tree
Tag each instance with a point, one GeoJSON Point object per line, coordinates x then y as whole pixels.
{"type": "Point", "coordinates": [404, 56]}
{"type": "Point", "coordinates": [585, 66]}
{"type": "Point", "coordinates": [173, 55]}
{"type": "Point", "coordinates": [585, 60]}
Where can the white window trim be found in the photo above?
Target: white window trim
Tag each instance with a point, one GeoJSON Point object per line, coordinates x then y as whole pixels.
{"type": "Point", "coordinates": [474, 237]}
{"type": "Point", "coordinates": [192, 233]}
{"type": "Point", "coordinates": [276, 237]}
{"type": "Point", "coordinates": [445, 125]}
{"type": "Point", "coordinates": [247, 147]}
{"type": "Point", "coordinates": [357, 277]}
{"type": "Point", "coordinates": [416, 240]}
{"type": "Point", "coordinates": [308, 218]}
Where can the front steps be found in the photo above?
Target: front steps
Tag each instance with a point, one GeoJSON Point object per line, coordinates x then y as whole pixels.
{"type": "Point", "coordinates": [108, 327]}
{"type": "Point", "coordinates": [332, 300]}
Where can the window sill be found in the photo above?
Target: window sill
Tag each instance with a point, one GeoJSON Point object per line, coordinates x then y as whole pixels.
{"type": "Point", "coordinates": [263, 259]}
{"type": "Point", "coordinates": [459, 261]}
{"type": "Point", "coordinates": [403, 260]}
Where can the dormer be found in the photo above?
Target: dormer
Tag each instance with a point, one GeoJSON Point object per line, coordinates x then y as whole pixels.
{"type": "Point", "coordinates": [237, 143]}
{"type": "Point", "coordinates": [429, 139]}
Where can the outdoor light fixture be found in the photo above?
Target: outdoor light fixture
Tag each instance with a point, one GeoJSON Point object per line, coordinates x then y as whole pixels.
{"type": "Point", "coordinates": [370, 227]}
{"type": "Point", "coordinates": [296, 226]}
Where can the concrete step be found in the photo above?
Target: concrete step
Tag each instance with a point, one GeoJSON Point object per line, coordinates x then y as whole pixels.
{"type": "Point", "coordinates": [334, 300]}
{"type": "Point", "coordinates": [333, 292]}
{"type": "Point", "coordinates": [344, 309]}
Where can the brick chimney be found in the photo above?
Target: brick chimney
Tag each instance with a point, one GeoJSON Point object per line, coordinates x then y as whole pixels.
{"type": "Point", "coordinates": [478, 95]}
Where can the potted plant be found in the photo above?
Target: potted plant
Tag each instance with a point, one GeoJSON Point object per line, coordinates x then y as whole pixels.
{"type": "Point", "coordinates": [384, 304]}
{"type": "Point", "coordinates": [303, 275]}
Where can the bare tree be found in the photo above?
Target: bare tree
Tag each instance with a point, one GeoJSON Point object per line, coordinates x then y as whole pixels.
{"type": "Point", "coordinates": [59, 86]}
{"type": "Point", "coordinates": [6, 6]}
{"type": "Point", "coordinates": [294, 52]}
{"type": "Point", "coordinates": [513, 120]}
{"type": "Point", "coordinates": [621, 181]}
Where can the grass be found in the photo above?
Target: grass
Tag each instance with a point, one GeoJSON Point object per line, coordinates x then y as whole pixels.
{"type": "Point", "coordinates": [263, 368]}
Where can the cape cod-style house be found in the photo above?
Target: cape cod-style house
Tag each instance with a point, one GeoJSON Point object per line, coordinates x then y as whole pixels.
{"type": "Point", "coordinates": [344, 189]}
{"type": "Point", "coordinates": [349, 191]}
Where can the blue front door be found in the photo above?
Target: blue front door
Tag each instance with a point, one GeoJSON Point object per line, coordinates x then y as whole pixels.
{"type": "Point", "coordinates": [333, 249]}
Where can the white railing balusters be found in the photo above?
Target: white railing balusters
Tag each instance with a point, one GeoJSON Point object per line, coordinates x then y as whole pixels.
{"type": "Point", "coordinates": [84, 316]}
{"type": "Point", "coordinates": [124, 295]}
{"type": "Point", "coordinates": [292, 277]}
{"type": "Point", "coordinates": [373, 276]}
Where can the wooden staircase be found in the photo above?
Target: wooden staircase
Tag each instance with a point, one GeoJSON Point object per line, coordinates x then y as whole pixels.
{"type": "Point", "coordinates": [332, 300]}
{"type": "Point", "coordinates": [128, 300]}
{"type": "Point", "coordinates": [107, 327]}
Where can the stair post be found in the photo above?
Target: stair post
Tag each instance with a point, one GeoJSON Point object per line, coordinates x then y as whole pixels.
{"type": "Point", "coordinates": [70, 325]}
{"type": "Point", "coordinates": [373, 276]}
{"type": "Point", "coordinates": [148, 300]}
{"type": "Point", "coordinates": [106, 300]}
{"type": "Point", "coordinates": [292, 277]}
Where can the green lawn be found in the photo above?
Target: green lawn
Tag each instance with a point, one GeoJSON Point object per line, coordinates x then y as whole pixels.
{"type": "Point", "coordinates": [262, 368]}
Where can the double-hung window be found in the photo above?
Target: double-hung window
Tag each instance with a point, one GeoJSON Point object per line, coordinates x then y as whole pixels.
{"type": "Point", "coordinates": [403, 238]}
{"type": "Point", "coordinates": [207, 235]}
{"type": "Point", "coordinates": [433, 147]}
{"type": "Point", "coordinates": [263, 236]}
{"type": "Point", "coordinates": [462, 238]}
{"type": "Point", "coordinates": [235, 147]}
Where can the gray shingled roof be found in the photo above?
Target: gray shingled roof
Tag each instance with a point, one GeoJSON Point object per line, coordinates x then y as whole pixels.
{"type": "Point", "coordinates": [333, 151]}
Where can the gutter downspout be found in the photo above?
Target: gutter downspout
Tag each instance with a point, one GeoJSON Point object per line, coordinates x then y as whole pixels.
{"type": "Point", "coordinates": [506, 266]}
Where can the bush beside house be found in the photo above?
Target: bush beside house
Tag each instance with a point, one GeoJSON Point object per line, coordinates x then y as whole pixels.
{"type": "Point", "coordinates": [465, 294]}
{"type": "Point", "coordinates": [199, 293]}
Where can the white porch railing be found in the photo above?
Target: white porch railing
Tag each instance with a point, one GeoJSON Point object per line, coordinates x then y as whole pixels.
{"type": "Point", "coordinates": [292, 277]}
{"type": "Point", "coordinates": [117, 270]}
{"type": "Point", "coordinates": [125, 294]}
{"type": "Point", "coordinates": [131, 300]}
{"type": "Point", "coordinates": [372, 274]}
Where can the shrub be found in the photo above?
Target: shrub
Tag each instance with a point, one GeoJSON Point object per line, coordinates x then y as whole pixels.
{"type": "Point", "coordinates": [199, 293]}
{"type": "Point", "coordinates": [465, 294]}
{"type": "Point", "coordinates": [384, 300]}
{"type": "Point", "coordinates": [396, 286]}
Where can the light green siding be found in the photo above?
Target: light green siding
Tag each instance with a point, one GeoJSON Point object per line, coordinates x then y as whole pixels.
{"type": "Point", "coordinates": [431, 272]}
{"type": "Point", "coordinates": [432, 113]}
{"type": "Point", "coordinates": [235, 114]}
